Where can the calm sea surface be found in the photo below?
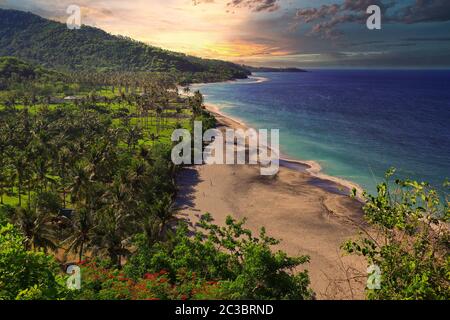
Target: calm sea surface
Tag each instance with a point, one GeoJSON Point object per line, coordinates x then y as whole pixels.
{"type": "Point", "coordinates": [355, 124]}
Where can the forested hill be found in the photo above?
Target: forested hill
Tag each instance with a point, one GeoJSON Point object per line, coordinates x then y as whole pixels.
{"type": "Point", "coordinates": [11, 67]}
{"type": "Point", "coordinates": [53, 45]}
{"type": "Point", "coordinates": [14, 71]}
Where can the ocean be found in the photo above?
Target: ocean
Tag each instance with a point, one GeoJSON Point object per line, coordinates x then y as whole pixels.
{"type": "Point", "coordinates": [355, 123]}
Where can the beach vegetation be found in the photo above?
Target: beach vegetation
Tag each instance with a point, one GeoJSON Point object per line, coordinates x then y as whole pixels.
{"type": "Point", "coordinates": [242, 266]}
{"type": "Point", "coordinates": [27, 274]}
{"type": "Point", "coordinates": [408, 241]}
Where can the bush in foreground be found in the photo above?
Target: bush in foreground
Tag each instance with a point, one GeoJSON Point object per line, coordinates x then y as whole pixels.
{"type": "Point", "coordinates": [241, 266]}
{"type": "Point", "coordinates": [27, 275]}
{"type": "Point", "coordinates": [408, 241]}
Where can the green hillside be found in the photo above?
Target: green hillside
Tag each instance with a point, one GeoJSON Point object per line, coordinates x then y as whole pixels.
{"type": "Point", "coordinates": [52, 45]}
{"type": "Point", "coordinates": [11, 67]}
{"type": "Point", "coordinates": [16, 73]}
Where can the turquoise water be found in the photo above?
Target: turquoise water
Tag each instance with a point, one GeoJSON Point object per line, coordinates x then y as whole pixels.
{"type": "Point", "coordinates": [356, 124]}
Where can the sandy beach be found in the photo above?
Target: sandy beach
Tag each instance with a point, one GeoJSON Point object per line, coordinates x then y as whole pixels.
{"type": "Point", "coordinates": [311, 216]}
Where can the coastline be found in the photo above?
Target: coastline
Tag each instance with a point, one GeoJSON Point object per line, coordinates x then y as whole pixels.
{"type": "Point", "coordinates": [309, 215]}
{"type": "Point", "coordinates": [256, 79]}
{"type": "Point", "coordinates": [312, 167]}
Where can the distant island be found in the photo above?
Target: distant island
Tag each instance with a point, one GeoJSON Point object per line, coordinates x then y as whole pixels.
{"type": "Point", "coordinates": [269, 69]}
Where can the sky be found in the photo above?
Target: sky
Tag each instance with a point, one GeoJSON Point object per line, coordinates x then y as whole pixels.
{"type": "Point", "coordinates": [279, 33]}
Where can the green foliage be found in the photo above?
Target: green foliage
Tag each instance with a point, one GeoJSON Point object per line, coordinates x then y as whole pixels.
{"type": "Point", "coordinates": [11, 67]}
{"type": "Point", "coordinates": [409, 241]}
{"type": "Point", "coordinates": [243, 266]}
{"type": "Point", "coordinates": [26, 275]}
{"type": "Point", "coordinates": [5, 214]}
{"type": "Point", "coordinates": [18, 77]}
{"type": "Point", "coordinates": [208, 121]}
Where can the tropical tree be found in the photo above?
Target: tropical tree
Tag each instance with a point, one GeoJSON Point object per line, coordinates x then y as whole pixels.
{"type": "Point", "coordinates": [38, 227]}
{"type": "Point", "coordinates": [81, 233]}
{"type": "Point", "coordinates": [407, 247]}
{"type": "Point", "coordinates": [241, 265]}
{"type": "Point", "coordinates": [111, 236]}
{"type": "Point", "coordinates": [27, 275]}
{"type": "Point", "coordinates": [133, 135]}
{"type": "Point", "coordinates": [162, 210]}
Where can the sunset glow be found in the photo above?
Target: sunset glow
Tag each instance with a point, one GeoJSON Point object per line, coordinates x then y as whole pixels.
{"type": "Point", "coordinates": [274, 32]}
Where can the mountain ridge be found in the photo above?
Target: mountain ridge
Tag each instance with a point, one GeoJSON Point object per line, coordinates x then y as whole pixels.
{"type": "Point", "coordinates": [52, 45]}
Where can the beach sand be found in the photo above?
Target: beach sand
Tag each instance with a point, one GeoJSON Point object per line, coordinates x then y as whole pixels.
{"type": "Point", "coordinates": [309, 215]}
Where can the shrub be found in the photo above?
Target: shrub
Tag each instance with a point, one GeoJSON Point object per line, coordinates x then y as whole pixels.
{"type": "Point", "coordinates": [243, 266]}
{"type": "Point", "coordinates": [26, 274]}
{"type": "Point", "coordinates": [409, 241]}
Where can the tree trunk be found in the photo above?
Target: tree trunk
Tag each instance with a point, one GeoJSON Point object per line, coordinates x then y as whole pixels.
{"type": "Point", "coordinates": [29, 194]}
{"type": "Point", "coordinates": [20, 191]}
{"type": "Point", "coordinates": [64, 198]}
{"type": "Point", "coordinates": [80, 258]}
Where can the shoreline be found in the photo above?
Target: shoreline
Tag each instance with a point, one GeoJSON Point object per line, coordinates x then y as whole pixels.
{"type": "Point", "coordinates": [200, 84]}
{"type": "Point", "coordinates": [313, 168]}
{"type": "Point", "coordinates": [256, 79]}
{"type": "Point", "coordinates": [309, 216]}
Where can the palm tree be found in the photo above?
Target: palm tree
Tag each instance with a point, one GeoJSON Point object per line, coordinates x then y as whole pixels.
{"type": "Point", "coordinates": [117, 222]}
{"type": "Point", "coordinates": [179, 110]}
{"type": "Point", "coordinates": [63, 162]}
{"type": "Point", "coordinates": [3, 182]}
{"type": "Point", "coordinates": [111, 236]}
{"type": "Point", "coordinates": [20, 165]}
{"type": "Point", "coordinates": [80, 186]}
{"type": "Point", "coordinates": [159, 111]}
{"type": "Point", "coordinates": [38, 228]}
{"type": "Point", "coordinates": [3, 162]}
{"type": "Point", "coordinates": [196, 103]}
{"type": "Point", "coordinates": [81, 233]}
{"type": "Point", "coordinates": [134, 134]}
{"type": "Point", "coordinates": [163, 211]}
{"type": "Point", "coordinates": [151, 228]}
{"type": "Point", "coordinates": [119, 198]}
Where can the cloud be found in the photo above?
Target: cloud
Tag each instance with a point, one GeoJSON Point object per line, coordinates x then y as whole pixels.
{"type": "Point", "coordinates": [253, 5]}
{"type": "Point", "coordinates": [327, 18]}
{"type": "Point", "coordinates": [425, 11]}
{"type": "Point", "coordinates": [91, 10]}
